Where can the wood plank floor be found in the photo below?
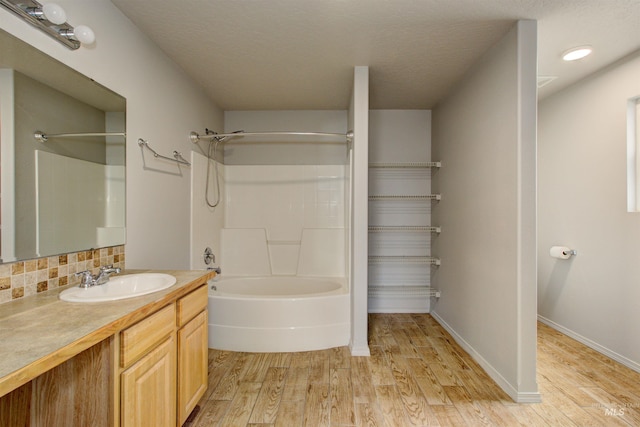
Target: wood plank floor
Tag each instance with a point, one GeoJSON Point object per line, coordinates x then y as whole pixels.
{"type": "Point", "coordinates": [416, 376]}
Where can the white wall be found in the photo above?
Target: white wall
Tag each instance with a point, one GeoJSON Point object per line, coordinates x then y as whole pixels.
{"type": "Point", "coordinates": [302, 150]}
{"type": "Point", "coordinates": [163, 105]}
{"type": "Point", "coordinates": [399, 136]}
{"type": "Point", "coordinates": [582, 204]}
{"type": "Point", "coordinates": [484, 134]}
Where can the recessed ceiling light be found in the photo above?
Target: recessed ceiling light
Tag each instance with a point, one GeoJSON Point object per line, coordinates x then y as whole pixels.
{"type": "Point", "coordinates": [577, 53]}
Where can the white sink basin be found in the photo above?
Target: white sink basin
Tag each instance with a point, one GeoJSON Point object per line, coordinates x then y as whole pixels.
{"type": "Point", "coordinates": [120, 287]}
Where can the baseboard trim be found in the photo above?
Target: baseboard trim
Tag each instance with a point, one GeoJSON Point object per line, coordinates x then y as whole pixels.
{"type": "Point", "coordinates": [359, 350]}
{"type": "Point", "coordinates": [518, 397]}
{"type": "Point", "coordinates": [397, 310]}
{"type": "Point", "coordinates": [591, 344]}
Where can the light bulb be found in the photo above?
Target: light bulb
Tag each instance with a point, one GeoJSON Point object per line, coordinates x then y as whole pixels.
{"type": "Point", "coordinates": [84, 34]}
{"type": "Point", "coordinates": [54, 13]}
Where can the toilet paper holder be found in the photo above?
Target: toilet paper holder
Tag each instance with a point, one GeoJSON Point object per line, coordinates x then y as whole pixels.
{"type": "Point", "coordinates": [562, 252]}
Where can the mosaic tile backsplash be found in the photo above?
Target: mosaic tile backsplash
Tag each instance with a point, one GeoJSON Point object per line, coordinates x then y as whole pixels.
{"type": "Point", "coordinates": [24, 278]}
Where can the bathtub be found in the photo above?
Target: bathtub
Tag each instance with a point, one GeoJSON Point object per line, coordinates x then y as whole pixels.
{"type": "Point", "coordinates": [278, 313]}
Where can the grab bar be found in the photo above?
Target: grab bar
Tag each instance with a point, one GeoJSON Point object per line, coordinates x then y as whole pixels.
{"type": "Point", "coordinates": [177, 157]}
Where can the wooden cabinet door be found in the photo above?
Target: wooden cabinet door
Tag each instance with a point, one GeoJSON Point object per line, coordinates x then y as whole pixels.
{"type": "Point", "coordinates": [149, 388]}
{"type": "Point", "coordinates": [192, 365]}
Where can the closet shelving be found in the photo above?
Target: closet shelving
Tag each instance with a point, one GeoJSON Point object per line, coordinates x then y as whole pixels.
{"type": "Point", "coordinates": [405, 197]}
{"type": "Point", "coordinates": [410, 165]}
{"type": "Point", "coordinates": [400, 232]}
{"type": "Point", "coordinates": [403, 259]}
{"type": "Point", "coordinates": [409, 291]}
{"type": "Point", "coordinates": [401, 228]}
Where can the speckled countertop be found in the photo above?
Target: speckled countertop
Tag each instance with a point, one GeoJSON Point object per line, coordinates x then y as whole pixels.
{"type": "Point", "coordinates": [39, 332]}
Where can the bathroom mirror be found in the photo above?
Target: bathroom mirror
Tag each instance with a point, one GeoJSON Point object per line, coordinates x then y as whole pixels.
{"type": "Point", "coordinates": [66, 194]}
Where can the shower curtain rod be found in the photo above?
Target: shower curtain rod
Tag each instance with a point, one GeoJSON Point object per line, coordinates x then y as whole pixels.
{"type": "Point", "coordinates": [195, 137]}
{"type": "Point", "coordinates": [43, 137]}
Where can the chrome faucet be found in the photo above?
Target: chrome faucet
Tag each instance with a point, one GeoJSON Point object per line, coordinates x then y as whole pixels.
{"type": "Point", "coordinates": [105, 272]}
{"type": "Point", "coordinates": [101, 278]}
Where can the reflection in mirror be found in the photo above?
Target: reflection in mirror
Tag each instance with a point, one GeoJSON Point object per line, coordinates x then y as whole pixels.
{"type": "Point", "coordinates": [66, 194]}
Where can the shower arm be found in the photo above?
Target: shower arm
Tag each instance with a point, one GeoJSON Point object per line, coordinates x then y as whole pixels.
{"type": "Point", "coordinates": [195, 137]}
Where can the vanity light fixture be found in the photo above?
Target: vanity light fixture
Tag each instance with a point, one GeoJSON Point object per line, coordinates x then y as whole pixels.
{"type": "Point", "coordinates": [82, 33]}
{"type": "Point", "coordinates": [52, 12]}
{"type": "Point", "coordinates": [51, 18]}
{"type": "Point", "coordinates": [576, 53]}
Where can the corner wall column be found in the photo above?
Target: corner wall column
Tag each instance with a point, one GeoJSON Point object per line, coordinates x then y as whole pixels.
{"type": "Point", "coordinates": [359, 122]}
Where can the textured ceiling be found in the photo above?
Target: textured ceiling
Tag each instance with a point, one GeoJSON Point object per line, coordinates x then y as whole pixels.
{"type": "Point", "coordinates": [300, 54]}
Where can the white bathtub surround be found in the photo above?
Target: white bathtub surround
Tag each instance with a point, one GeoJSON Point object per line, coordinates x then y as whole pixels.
{"type": "Point", "coordinates": [278, 314]}
{"type": "Point", "coordinates": [284, 220]}
{"type": "Point", "coordinates": [244, 252]}
{"type": "Point", "coordinates": [287, 214]}
{"type": "Point", "coordinates": [283, 286]}
{"type": "Point", "coordinates": [284, 211]}
{"type": "Point", "coordinates": [322, 252]}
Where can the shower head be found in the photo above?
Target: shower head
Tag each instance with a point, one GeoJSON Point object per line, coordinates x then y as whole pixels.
{"type": "Point", "coordinates": [211, 135]}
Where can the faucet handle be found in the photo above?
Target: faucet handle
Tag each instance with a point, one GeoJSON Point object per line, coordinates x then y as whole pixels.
{"type": "Point", "coordinates": [86, 280]}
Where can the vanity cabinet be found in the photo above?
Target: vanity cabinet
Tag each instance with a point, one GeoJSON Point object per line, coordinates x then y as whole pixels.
{"type": "Point", "coordinates": [163, 359]}
{"type": "Point", "coordinates": [141, 361]}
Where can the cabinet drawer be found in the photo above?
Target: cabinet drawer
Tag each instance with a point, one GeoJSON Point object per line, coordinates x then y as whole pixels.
{"type": "Point", "coordinates": [141, 337]}
{"type": "Point", "coordinates": [192, 304]}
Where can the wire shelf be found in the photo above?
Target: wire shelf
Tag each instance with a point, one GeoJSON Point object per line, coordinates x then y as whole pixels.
{"type": "Point", "coordinates": [404, 228]}
{"type": "Point", "coordinates": [428, 260]}
{"type": "Point", "coordinates": [403, 291]}
{"type": "Point", "coordinates": [412, 165]}
{"type": "Point", "coordinates": [436, 197]}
